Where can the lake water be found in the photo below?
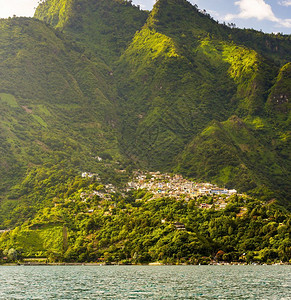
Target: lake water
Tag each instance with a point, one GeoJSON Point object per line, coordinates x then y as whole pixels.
{"type": "Point", "coordinates": [145, 282]}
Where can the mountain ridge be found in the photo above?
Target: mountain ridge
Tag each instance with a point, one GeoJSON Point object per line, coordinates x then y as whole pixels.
{"type": "Point", "coordinates": [106, 27]}
{"type": "Point", "coordinates": [155, 90]}
{"type": "Point", "coordinates": [104, 89]}
{"type": "Point", "coordinates": [245, 75]}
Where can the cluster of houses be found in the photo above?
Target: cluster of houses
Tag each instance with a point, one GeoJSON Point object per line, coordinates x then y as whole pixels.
{"type": "Point", "coordinates": [166, 185]}
{"type": "Point", "coordinates": [105, 193]}
{"type": "Point", "coordinates": [90, 175]}
{"type": "Point", "coordinates": [175, 186]}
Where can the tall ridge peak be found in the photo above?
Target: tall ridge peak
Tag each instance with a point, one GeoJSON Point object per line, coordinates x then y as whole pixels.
{"type": "Point", "coordinates": [104, 26]}
{"type": "Point", "coordinates": [121, 87]}
{"type": "Point", "coordinates": [181, 16]}
{"type": "Point", "coordinates": [54, 12]}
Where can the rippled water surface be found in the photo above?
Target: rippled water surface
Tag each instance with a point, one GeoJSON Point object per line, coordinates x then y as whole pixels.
{"type": "Point", "coordinates": [145, 282]}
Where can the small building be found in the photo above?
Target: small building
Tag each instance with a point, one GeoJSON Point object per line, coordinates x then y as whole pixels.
{"type": "Point", "coordinates": [218, 191]}
{"type": "Point", "coordinates": [205, 206]}
{"type": "Point", "coordinates": [90, 175]}
{"type": "Point", "coordinates": [204, 191]}
{"type": "Point", "coordinates": [222, 205]}
{"type": "Point", "coordinates": [179, 226]}
{"type": "Point", "coordinates": [232, 192]}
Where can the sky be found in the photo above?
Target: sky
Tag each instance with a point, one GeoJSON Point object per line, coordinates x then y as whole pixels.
{"type": "Point", "coordinates": [266, 15]}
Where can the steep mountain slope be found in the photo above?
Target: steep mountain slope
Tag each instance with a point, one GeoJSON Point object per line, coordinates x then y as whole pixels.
{"type": "Point", "coordinates": [181, 73]}
{"type": "Point", "coordinates": [171, 90]}
{"type": "Point", "coordinates": [238, 153]}
{"type": "Point", "coordinates": [55, 104]}
{"type": "Point", "coordinates": [105, 87]}
{"type": "Point", "coordinates": [104, 26]}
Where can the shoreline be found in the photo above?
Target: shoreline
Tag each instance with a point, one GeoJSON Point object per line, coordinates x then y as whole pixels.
{"type": "Point", "coordinates": [149, 264]}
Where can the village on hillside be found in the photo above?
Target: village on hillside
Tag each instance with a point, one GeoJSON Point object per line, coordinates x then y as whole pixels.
{"type": "Point", "coordinates": [168, 185]}
{"type": "Point", "coordinates": [175, 186]}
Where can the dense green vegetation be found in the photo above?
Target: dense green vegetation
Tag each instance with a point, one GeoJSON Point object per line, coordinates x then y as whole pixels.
{"type": "Point", "coordinates": [193, 99]}
{"type": "Point", "coordinates": [100, 86]}
{"type": "Point", "coordinates": [55, 106]}
{"type": "Point", "coordinates": [177, 75]}
{"type": "Point", "coordinates": [84, 227]}
{"type": "Point", "coordinates": [103, 27]}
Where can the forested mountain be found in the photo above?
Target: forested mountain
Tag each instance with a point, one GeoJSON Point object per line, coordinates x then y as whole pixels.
{"type": "Point", "coordinates": [102, 86]}
{"type": "Point", "coordinates": [103, 27]}
{"type": "Point", "coordinates": [194, 96]}
{"type": "Point", "coordinates": [195, 100]}
{"type": "Point", "coordinates": [56, 106]}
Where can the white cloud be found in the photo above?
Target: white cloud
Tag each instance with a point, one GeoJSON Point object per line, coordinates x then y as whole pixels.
{"type": "Point", "coordinates": [214, 14]}
{"type": "Point", "coordinates": [8, 8]}
{"type": "Point", "coordinates": [285, 3]}
{"type": "Point", "coordinates": [285, 23]}
{"type": "Point", "coordinates": [145, 4]}
{"type": "Point", "coordinates": [258, 9]}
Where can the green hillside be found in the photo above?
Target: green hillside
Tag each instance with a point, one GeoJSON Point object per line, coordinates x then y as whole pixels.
{"type": "Point", "coordinates": [180, 75]}
{"type": "Point", "coordinates": [56, 105]}
{"type": "Point", "coordinates": [252, 164]}
{"type": "Point", "coordinates": [182, 71]}
{"type": "Point", "coordinates": [103, 27]}
{"type": "Point", "coordinates": [92, 225]}
{"type": "Point", "coordinates": [103, 87]}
